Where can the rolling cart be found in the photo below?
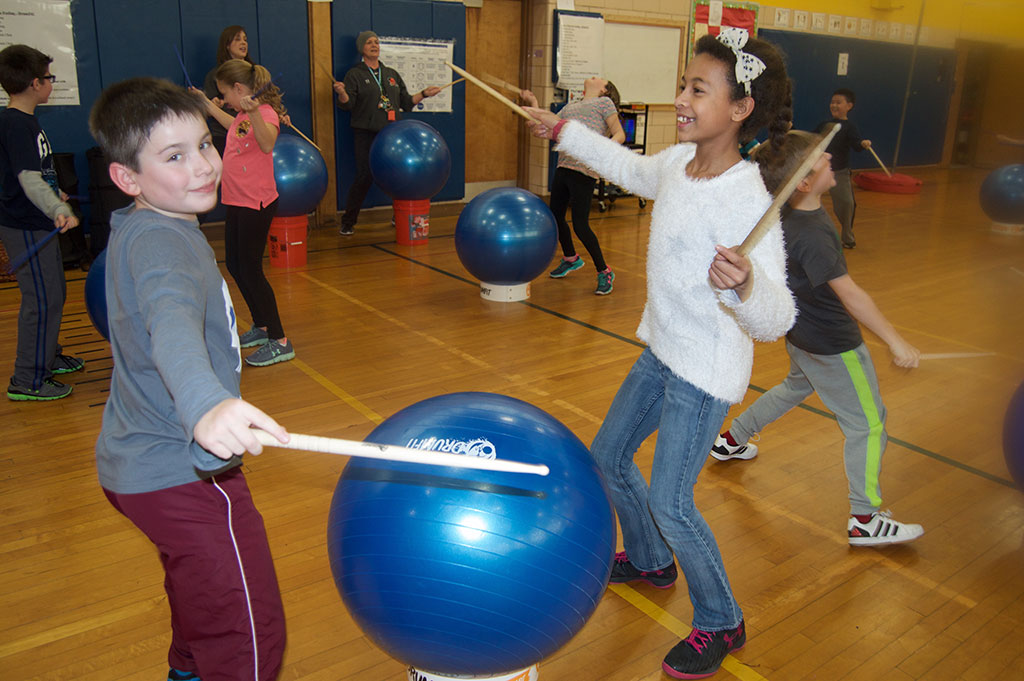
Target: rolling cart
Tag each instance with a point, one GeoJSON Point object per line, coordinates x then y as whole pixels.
{"type": "Point", "coordinates": [634, 124]}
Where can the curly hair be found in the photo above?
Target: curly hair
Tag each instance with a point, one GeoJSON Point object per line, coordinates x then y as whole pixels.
{"type": "Point", "coordinates": [772, 91]}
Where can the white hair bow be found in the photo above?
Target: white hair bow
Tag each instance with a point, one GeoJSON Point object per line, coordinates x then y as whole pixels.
{"type": "Point", "coordinates": [748, 67]}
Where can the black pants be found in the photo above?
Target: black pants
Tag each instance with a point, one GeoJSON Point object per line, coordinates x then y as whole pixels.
{"type": "Point", "coordinates": [362, 141]}
{"type": "Point", "coordinates": [245, 240]}
{"type": "Point", "coordinates": [572, 188]}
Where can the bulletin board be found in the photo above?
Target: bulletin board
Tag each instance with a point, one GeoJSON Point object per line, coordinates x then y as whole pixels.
{"type": "Point", "coordinates": [421, 63]}
{"type": "Point", "coordinates": [709, 16]}
{"type": "Point", "coordinates": [643, 61]}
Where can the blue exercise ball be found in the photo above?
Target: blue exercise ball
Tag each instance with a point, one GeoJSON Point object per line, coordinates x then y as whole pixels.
{"type": "Point", "coordinates": [301, 176]}
{"type": "Point", "coordinates": [1002, 194]}
{"type": "Point", "coordinates": [1013, 437]}
{"type": "Point", "coordinates": [96, 294]}
{"type": "Point", "coordinates": [506, 236]}
{"type": "Point", "coordinates": [410, 160]}
{"type": "Point", "coordinates": [465, 572]}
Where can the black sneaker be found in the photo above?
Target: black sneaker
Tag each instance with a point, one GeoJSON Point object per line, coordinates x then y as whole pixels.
{"type": "Point", "coordinates": [623, 571]}
{"type": "Point", "coordinates": [66, 364]}
{"type": "Point", "coordinates": [175, 675]}
{"type": "Point", "coordinates": [50, 390]}
{"type": "Point", "coordinates": [347, 230]}
{"type": "Point", "coordinates": [701, 653]}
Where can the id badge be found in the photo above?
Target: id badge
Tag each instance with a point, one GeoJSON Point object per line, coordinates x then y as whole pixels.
{"type": "Point", "coordinates": [391, 115]}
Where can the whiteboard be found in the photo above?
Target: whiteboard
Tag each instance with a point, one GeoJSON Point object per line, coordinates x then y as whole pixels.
{"type": "Point", "coordinates": [643, 61]}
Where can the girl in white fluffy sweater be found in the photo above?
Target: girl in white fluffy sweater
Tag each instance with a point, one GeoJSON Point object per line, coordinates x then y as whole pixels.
{"type": "Point", "coordinates": [704, 305]}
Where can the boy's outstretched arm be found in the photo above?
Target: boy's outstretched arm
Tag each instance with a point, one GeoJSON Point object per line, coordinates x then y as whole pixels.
{"type": "Point", "coordinates": [224, 431]}
{"type": "Point", "coordinates": [862, 308]}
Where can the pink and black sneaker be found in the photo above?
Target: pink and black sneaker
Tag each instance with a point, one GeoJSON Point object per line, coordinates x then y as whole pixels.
{"type": "Point", "coordinates": [624, 571]}
{"type": "Point", "coordinates": [700, 654]}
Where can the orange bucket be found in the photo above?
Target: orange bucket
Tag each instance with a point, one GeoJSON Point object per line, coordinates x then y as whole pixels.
{"type": "Point", "coordinates": [287, 241]}
{"type": "Point", "coordinates": [412, 221]}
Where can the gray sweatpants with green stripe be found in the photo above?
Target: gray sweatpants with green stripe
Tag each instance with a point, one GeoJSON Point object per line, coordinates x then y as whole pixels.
{"type": "Point", "coordinates": [847, 384]}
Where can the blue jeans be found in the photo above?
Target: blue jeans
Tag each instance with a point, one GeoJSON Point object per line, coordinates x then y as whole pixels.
{"type": "Point", "coordinates": [662, 520]}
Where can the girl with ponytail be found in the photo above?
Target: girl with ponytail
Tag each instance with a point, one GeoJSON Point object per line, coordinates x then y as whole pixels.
{"type": "Point", "coordinates": [249, 192]}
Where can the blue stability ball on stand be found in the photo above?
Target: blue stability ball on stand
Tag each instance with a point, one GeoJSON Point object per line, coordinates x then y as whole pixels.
{"type": "Point", "coordinates": [464, 572]}
{"type": "Point", "coordinates": [410, 160]}
{"type": "Point", "coordinates": [506, 236]}
{"type": "Point", "coordinates": [301, 176]}
{"type": "Point", "coordinates": [1013, 437]}
{"type": "Point", "coordinates": [96, 294]}
{"type": "Point", "coordinates": [1002, 194]}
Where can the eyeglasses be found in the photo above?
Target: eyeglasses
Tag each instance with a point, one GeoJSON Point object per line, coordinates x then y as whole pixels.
{"type": "Point", "coordinates": [51, 78]}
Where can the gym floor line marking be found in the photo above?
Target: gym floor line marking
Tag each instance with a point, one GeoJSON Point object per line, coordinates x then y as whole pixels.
{"type": "Point", "coordinates": [338, 392]}
{"type": "Point", "coordinates": [676, 626]}
{"type": "Point", "coordinates": [869, 556]}
{"type": "Point", "coordinates": [814, 410]}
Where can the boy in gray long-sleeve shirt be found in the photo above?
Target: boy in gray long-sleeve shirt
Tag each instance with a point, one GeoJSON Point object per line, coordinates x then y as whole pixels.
{"type": "Point", "coordinates": [174, 426]}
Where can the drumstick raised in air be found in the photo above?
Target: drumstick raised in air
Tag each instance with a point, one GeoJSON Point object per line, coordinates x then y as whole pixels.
{"type": "Point", "coordinates": [454, 82]}
{"type": "Point", "coordinates": [491, 91]}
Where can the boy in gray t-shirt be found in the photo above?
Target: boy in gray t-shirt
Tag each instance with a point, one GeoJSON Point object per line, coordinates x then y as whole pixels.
{"type": "Point", "coordinates": [174, 426]}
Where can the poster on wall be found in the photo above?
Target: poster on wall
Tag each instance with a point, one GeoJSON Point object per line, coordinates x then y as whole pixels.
{"type": "Point", "coordinates": [579, 48]}
{"type": "Point", "coordinates": [709, 16]}
{"type": "Point", "coordinates": [422, 64]}
{"type": "Point", "coordinates": [46, 26]}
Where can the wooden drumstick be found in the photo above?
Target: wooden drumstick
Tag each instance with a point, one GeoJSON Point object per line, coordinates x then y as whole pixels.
{"type": "Point", "coordinates": [504, 84]}
{"type": "Point", "coordinates": [491, 91]}
{"type": "Point", "coordinates": [454, 82]}
{"type": "Point", "coordinates": [305, 138]}
{"type": "Point", "coordinates": [879, 161]}
{"type": "Point", "coordinates": [371, 450]}
{"type": "Point", "coordinates": [787, 189]}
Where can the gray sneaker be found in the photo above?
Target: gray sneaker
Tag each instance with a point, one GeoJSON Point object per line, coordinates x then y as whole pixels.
{"type": "Point", "coordinates": [66, 364]}
{"type": "Point", "coordinates": [50, 390]}
{"type": "Point", "coordinates": [271, 353]}
{"type": "Point", "coordinates": [253, 337]}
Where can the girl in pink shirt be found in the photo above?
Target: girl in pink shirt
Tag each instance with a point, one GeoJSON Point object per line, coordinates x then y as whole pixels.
{"type": "Point", "coordinates": [249, 192]}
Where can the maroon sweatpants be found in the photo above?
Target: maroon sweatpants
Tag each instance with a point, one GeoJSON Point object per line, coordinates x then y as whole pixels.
{"type": "Point", "coordinates": [226, 615]}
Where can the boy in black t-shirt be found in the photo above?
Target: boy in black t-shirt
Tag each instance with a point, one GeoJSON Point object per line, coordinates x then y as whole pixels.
{"type": "Point", "coordinates": [827, 353]}
{"type": "Point", "coordinates": [31, 207]}
{"type": "Point", "coordinates": [848, 139]}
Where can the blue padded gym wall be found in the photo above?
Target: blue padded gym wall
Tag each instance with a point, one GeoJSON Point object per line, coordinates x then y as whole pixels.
{"type": "Point", "coordinates": [407, 19]}
{"type": "Point", "coordinates": [878, 76]}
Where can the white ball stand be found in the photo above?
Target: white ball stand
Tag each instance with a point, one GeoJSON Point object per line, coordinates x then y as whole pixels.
{"type": "Point", "coordinates": [529, 674]}
{"type": "Point", "coordinates": [504, 294]}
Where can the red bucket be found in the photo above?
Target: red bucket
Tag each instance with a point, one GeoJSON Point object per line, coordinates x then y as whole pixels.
{"type": "Point", "coordinates": [287, 241]}
{"type": "Point", "coordinates": [412, 221]}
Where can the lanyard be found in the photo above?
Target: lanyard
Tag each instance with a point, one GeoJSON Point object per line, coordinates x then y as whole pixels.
{"type": "Point", "coordinates": [377, 76]}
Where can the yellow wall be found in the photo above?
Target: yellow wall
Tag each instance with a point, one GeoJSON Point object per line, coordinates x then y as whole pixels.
{"type": "Point", "coordinates": [1000, 21]}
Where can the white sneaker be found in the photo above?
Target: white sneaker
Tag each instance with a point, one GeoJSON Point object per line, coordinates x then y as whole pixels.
{"type": "Point", "coordinates": [723, 451]}
{"type": "Point", "coordinates": [881, 530]}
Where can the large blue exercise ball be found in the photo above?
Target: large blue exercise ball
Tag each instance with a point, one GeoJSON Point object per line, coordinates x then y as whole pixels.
{"type": "Point", "coordinates": [301, 176]}
{"type": "Point", "coordinates": [1002, 194]}
{"type": "Point", "coordinates": [506, 236]}
{"type": "Point", "coordinates": [466, 572]}
{"type": "Point", "coordinates": [410, 160]}
{"type": "Point", "coordinates": [96, 294]}
{"type": "Point", "coordinates": [1013, 437]}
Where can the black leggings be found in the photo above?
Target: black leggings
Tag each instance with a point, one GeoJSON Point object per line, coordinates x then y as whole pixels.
{"type": "Point", "coordinates": [573, 188]}
{"type": "Point", "coordinates": [362, 140]}
{"type": "Point", "coordinates": [245, 240]}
